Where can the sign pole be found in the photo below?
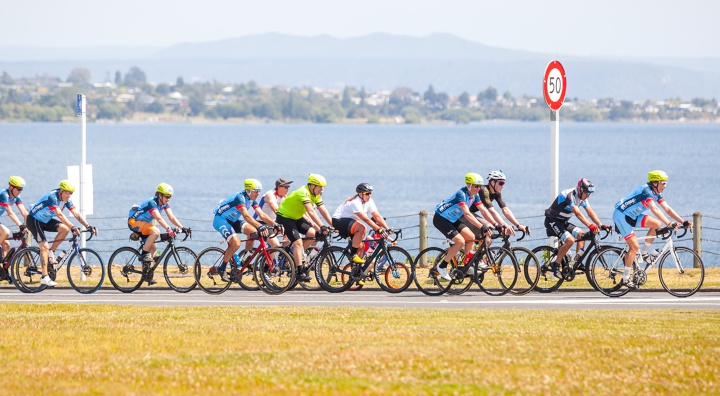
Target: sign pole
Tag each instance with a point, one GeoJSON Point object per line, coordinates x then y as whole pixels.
{"type": "Point", "coordinates": [81, 106]}
{"type": "Point", "coordinates": [554, 153]}
{"type": "Point", "coordinates": [554, 89]}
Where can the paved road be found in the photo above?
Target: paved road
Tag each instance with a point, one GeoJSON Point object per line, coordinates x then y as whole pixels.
{"type": "Point", "coordinates": [473, 299]}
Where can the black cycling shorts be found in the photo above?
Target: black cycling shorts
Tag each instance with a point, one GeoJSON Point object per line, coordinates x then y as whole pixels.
{"type": "Point", "coordinates": [446, 227]}
{"type": "Point", "coordinates": [38, 228]}
{"type": "Point", "coordinates": [294, 228]}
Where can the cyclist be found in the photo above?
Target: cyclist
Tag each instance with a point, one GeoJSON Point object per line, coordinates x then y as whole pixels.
{"type": "Point", "coordinates": [9, 196]}
{"type": "Point", "coordinates": [447, 219]}
{"type": "Point", "coordinates": [348, 216]}
{"type": "Point", "coordinates": [630, 212]}
{"type": "Point", "coordinates": [558, 215]}
{"type": "Point", "coordinates": [271, 200]}
{"type": "Point", "coordinates": [140, 220]}
{"type": "Point", "coordinates": [493, 191]}
{"type": "Point", "coordinates": [291, 215]}
{"type": "Point", "coordinates": [41, 218]}
{"type": "Point", "coordinates": [232, 216]}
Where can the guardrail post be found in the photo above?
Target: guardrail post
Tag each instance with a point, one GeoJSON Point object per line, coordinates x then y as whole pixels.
{"type": "Point", "coordinates": [423, 232]}
{"type": "Point", "coordinates": [697, 236]}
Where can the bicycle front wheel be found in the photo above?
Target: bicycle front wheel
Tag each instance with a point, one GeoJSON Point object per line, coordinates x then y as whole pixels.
{"type": "Point", "coordinates": [27, 270]}
{"type": "Point", "coordinates": [547, 282]}
{"type": "Point", "coordinates": [85, 271]}
{"type": "Point", "coordinates": [206, 271]}
{"type": "Point", "coordinates": [330, 270]}
{"type": "Point", "coordinates": [394, 270]}
{"type": "Point", "coordinates": [425, 274]}
{"type": "Point", "coordinates": [682, 273]}
{"type": "Point", "coordinates": [500, 278]}
{"type": "Point", "coordinates": [125, 269]}
{"type": "Point", "coordinates": [607, 271]}
{"type": "Point", "coordinates": [275, 271]}
{"type": "Point", "coordinates": [528, 271]}
{"type": "Point", "coordinates": [178, 269]}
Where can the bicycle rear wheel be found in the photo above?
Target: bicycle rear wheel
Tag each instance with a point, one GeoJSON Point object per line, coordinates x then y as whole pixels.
{"type": "Point", "coordinates": [27, 270]}
{"type": "Point", "coordinates": [394, 271]}
{"type": "Point", "coordinates": [528, 271]}
{"type": "Point", "coordinates": [178, 269]}
{"type": "Point", "coordinates": [312, 284]}
{"type": "Point", "coordinates": [500, 278]}
{"type": "Point", "coordinates": [206, 271]}
{"type": "Point", "coordinates": [547, 282]}
{"type": "Point", "coordinates": [125, 269]}
{"type": "Point", "coordinates": [275, 271]}
{"type": "Point", "coordinates": [607, 272]}
{"type": "Point", "coordinates": [85, 271]}
{"type": "Point", "coordinates": [425, 275]}
{"type": "Point", "coordinates": [684, 277]}
{"type": "Point", "coordinates": [330, 270]}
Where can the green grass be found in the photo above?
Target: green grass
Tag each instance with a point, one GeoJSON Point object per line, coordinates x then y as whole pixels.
{"type": "Point", "coordinates": [88, 349]}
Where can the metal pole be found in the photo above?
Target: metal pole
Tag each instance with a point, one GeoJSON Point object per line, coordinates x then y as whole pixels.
{"type": "Point", "coordinates": [82, 167]}
{"type": "Point", "coordinates": [423, 233]}
{"type": "Point", "coordinates": [697, 236]}
{"type": "Point", "coordinates": [554, 159]}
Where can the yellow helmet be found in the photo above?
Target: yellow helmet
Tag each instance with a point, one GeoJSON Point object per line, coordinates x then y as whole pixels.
{"type": "Point", "coordinates": [473, 178]}
{"type": "Point", "coordinates": [317, 180]}
{"type": "Point", "coordinates": [67, 186]}
{"type": "Point", "coordinates": [657, 175]}
{"type": "Point", "coordinates": [164, 188]}
{"type": "Point", "coordinates": [253, 184]}
{"type": "Point", "coordinates": [17, 181]}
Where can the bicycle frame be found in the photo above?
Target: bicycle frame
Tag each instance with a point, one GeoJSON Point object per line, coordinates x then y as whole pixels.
{"type": "Point", "coordinates": [358, 272]}
{"type": "Point", "coordinates": [171, 248]}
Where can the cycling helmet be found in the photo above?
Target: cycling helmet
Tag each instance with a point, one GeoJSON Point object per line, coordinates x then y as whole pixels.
{"type": "Point", "coordinates": [166, 189]}
{"type": "Point", "coordinates": [496, 175]}
{"type": "Point", "coordinates": [586, 185]}
{"type": "Point", "coordinates": [253, 184]}
{"type": "Point", "coordinates": [317, 180]}
{"type": "Point", "coordinates": [363, 188]}
{"type": "Point", "coordinates": [17, 181]}
{"type": "Point", "coordinates": [657, 175]}
{"type": "Point", "coordinates": [67, 186]}
{"type": "Point", "coordinates": [473, 178]}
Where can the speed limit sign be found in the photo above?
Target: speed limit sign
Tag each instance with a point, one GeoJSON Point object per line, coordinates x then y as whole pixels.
{"type": "Point", "coordinates": [554, 85]}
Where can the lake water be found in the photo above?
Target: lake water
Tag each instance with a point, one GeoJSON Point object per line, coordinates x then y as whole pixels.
{"type": "Point", "coordinates": [412, 167]}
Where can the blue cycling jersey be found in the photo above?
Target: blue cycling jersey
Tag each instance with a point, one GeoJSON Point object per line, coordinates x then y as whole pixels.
{"type": "Point", "coordinates": [561, 207]}
{"type": "Point", "coordinates": [450, 208]}
{"type": "Point", "coordinates": [6, 201]}
{"type": "Point", "coordinates": [144, 211]}
{"type": "Point", "coordinates": [229, 208]}
{"type": "Point", "coordinates": [44, 209]}
{"type": "Point", "coordinates": [638, 201]}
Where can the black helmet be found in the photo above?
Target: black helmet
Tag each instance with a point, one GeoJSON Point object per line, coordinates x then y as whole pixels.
{"type": "Point", "coordinates": [363, 188]}
{"type": "Point", "coordinates": [586, 185]}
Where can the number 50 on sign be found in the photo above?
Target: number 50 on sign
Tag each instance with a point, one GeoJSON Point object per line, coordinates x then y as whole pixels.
{"type": "Point", "coordinates": [554, 85]}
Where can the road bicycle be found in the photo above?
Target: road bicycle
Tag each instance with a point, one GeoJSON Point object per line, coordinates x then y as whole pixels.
{"type": "Point", "coordinates": [127, 273]}
{"type": "Point", "coordinates": [85, 268]}
{"type": "Point", "coordinates": [6, 257]}
{"type": "Point", "coordinates": [271, 269]}
{"type": "Point", "coordinates": [547, 255]}
{"type": "Point", "coordinates": [306, 270]}
{"type": "Point", "coordinates": [528, 266]}
{"type": "Point", "coordinates": [391, 266]}
{"type": "Point", "coordinates": [680, 270]}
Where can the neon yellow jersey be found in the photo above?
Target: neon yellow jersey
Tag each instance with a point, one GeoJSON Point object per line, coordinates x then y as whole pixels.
{"type": "Point", "coordinates": [293, 207]}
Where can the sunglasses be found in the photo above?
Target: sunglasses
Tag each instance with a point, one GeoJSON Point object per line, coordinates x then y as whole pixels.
{"type": "Point", "coordinates": [664, 183]}
{"type": "Point", "coordinates": [501, 182]}
{"type": "Point", "coordinates": [367, 193]}
{"type": "Point", "coordinates": [18, 188]}
{"type": "Point", "coordinates": [167, 196]}
{"type": "Point", "coordinates": [477, 185]}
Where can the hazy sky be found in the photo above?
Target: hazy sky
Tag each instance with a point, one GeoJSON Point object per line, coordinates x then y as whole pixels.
{"type": "Point", "coordinates": [686, 28]}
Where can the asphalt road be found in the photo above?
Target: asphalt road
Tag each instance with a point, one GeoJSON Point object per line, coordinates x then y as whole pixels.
{"type": "Point", "coordinates": [473, 299]}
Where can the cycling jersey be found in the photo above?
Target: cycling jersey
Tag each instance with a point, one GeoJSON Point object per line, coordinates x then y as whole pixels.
{"type": "Point", "coordinates": [350, 209]}
{"type": "Point", "coordinates": [293, 207]}
{"type": "Point", "coordinates": [6, 201]}
{"type": "Point", "coordinates": [229, 208]}
{"type": "Point", "coordinates": [561, 207]}
{"type": "Point", "coordinates": [638, 201]}
{"type": "Point", "coordinates": [44, 209]}
{"type": "Point", "coordinates": [265, 207]}
{"type": "Point", "coordinates": [450, 208]}
{"type": "Point", "coordinates": [143, 212]}
{"type": "Point", "coordinates": [487, 197]}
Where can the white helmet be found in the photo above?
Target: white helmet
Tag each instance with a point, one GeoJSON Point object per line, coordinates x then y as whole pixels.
{"type": "Point", "coordinates": [496, 175]}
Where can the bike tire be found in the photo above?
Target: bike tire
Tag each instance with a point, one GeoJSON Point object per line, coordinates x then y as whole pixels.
{"type": "Point", "coordinates": [500, 278]}
{"type": "Point", "coordinates": [85, 271]}
{"type": "Point", "coordinates": [124, 269]}
{"type": "Point", "coordinates": [547, 283]}
{"type": "Point", "coordinates": [528, 271]}
{"type": "Point", "coordinates": [208, 281]}
{"type": "Point", "coordinates": [606, 271]}
{"type": "Point", "coordinates": [180, 276]}
{"type": "Point", "coordinates": [354, 286]}
{"type": "Point", "coordinates": [426, 278]}
{"type": "Point", "coordinates": [395, 276]}
{"type": "Point", "coordinates": [312, 284]}
{"type": "Point", "coordinates": [686, 280]}
{"type": "Point", "coordinates": [275, 271]}
{"type": "Point", "coordinates": [329, 270]}
{"type": "Point", "coordinates": [27, 270]}
{"type": "Point", "coordinates": [462, 279]}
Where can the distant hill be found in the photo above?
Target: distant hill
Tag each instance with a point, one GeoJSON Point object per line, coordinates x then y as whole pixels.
{"type": "Point", "coordinates": [381, 61]}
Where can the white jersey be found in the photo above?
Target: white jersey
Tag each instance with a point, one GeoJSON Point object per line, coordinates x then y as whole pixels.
{"type": "Point", "coordinates": [265, 207]}
{"type": "Point", "coordinates": [349, 209]}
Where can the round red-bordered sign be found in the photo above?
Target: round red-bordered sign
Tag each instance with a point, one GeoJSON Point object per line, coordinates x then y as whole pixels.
{"type": "Point", "coordinates": [554, 85]}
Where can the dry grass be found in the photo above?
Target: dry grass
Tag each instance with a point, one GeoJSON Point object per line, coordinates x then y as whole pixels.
{"type": "Point", "coordinates": [86, 349]}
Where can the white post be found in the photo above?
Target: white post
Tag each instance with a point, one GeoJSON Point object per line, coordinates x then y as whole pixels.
{"type": "Point", "coordinates": [82, 106]}
{"type": "Point", "coordinates": [554, 160]}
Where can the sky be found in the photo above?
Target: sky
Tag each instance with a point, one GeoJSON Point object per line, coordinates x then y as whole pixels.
{"type": "Point", "coordinates": [622, 28]}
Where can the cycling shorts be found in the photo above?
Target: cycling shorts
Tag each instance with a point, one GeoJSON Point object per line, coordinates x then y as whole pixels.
{"type": "Point", "coordinates": [38, 228]}
{"type": "Point", "coordinates": [560, 229]}
{"type": "Point", "coordinates": [228, 228]}
{"type": "Point", "coordinates": [293, 228]}
{"type": "Point", "coordinates": [450, 230]}
{"type": "Point", "coordinates": [625, 224]}
{"type": "Point", "coordinates": [346, 226]}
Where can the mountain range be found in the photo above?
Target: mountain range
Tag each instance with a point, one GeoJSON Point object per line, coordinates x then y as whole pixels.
{"type": "Point", "coordinates": [377, 61]}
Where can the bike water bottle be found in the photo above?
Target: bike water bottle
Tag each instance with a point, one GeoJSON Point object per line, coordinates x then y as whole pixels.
{"type": "Point", "coordinates": [236, 259]}
{"type": "Point", "coordinates": [158, 253]}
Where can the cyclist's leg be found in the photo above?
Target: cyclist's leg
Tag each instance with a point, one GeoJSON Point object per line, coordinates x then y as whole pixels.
{"type": "Point", "coordinates": [228, 233]}
{"type": "Point", "coordinates": [292, 233]}
{"type": "Point", "coordinates": [303, 226]}
{"type": "Point", "coordinates": [247, 229]}
{"type": "Point", "coordinates": [53, 225]}
{"type": "Point", "coordinates": [625, 226]}
{"type": "Point", "coordinates": [62, 231]}
{"type": "Point", "coordinates": [4, 243]}
{"type": "Point", "coordinates": [653, 224]}
{"type": "Point", "coordinates": [348, 228]}
{"type": "Point", "coordinates": [450, 231]}
{"type": "Point", "coordinates": [36, 229]}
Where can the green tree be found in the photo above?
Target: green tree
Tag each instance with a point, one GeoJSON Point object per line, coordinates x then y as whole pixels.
{"type": "Point", "coordinates": [79, 77]}
{"type": "Point", "coordinates": [346, 101]}
{"type": "Point", "coordinates": [179, 83]}
{"type": "Point", "coordinates": [6, 78]}
{"type": "Point", "coordinates": [118, 78]}
{"type": "Point", "coordinates": [488, 95]}
{"type": "Point", "coordinates": [363, 95]}
{"type": "Point", "coordinates": [135, 77]}
{"type": "Point", "coordinates": [464, 99]}
{"type": "Point", "coordinates": [155, 107]}
{"type": "Point", "coordinates": [197, 104]}
{"type": "Point", "coordinates": [429, 96]}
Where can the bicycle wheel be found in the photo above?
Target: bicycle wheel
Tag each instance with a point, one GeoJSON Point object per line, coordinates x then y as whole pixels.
{"type": "Point", "coordinates": [394, 271]}
{"type": "Point", "coordinates": [681, 274]}
{"type": "Point", "coordinates": [246, 278]}
{"type": "Point", "coordinates": [275, 271]}
{"type": "Point", "coordinates": [85, 271]}
{"type": "Point", "coordinates": [206, 271]}
{"type": "Point", "coordinates": [347, 277]}
{"type": "Point", "coordinates": [312, 284]}
{"type": "Point", "coordinates": [547, 282]}
{"type": "Point", "coordinates": [330, 268]}
{"type": "Point", "coordinates": [425, 274]}
{"type": "Point", "coordinates": [606, 271]}
{"type": "Point", "coordinates": [125, 269]}
{"type": "Point", "coordinates": [27, 270]}
{"type": "Point", "coordinates": [528, 271]}
{"type": "Point", "coordinates": [178, 269]}
{"type": "Point", "coordinates": [500, 278]}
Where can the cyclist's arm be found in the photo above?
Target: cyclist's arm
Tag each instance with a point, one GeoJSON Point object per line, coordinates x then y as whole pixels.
{"type": "Point", "coordinates": [362, 216]}
{"type": "Point", "coordinates": [160, 220]}
{"type": "Point", "coordinates": [379, 219]}
{"type": "Point", "coordinates": [23, 210]}
{"type": "Point", "coordinates": [76, 213]}
{"type": "Point", "coordinates": [325, 214]}
{"type": "Point", "coordinates": [272, 201]}
{"type": "Point", "coordinates": [593, 216]}
{"type": "Point", "coordinates": [172, 217]}
{"type": "Point", "coordinates": [262, 215]}
{"type": "Point", "coordinates": [13, 217]}
{"type": "Point", "coordinates": [313, 217]}
{"type": "Point", "coordinates": [471, 218]}
{"type": "Point", "coordinates": [670, 211]}
{"type": "Point", "coordinates": [495, 216]}
{"type": "Point", "coordinates": [511, 217]}
{"type": "Point", "coordinates": [579, 215]}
